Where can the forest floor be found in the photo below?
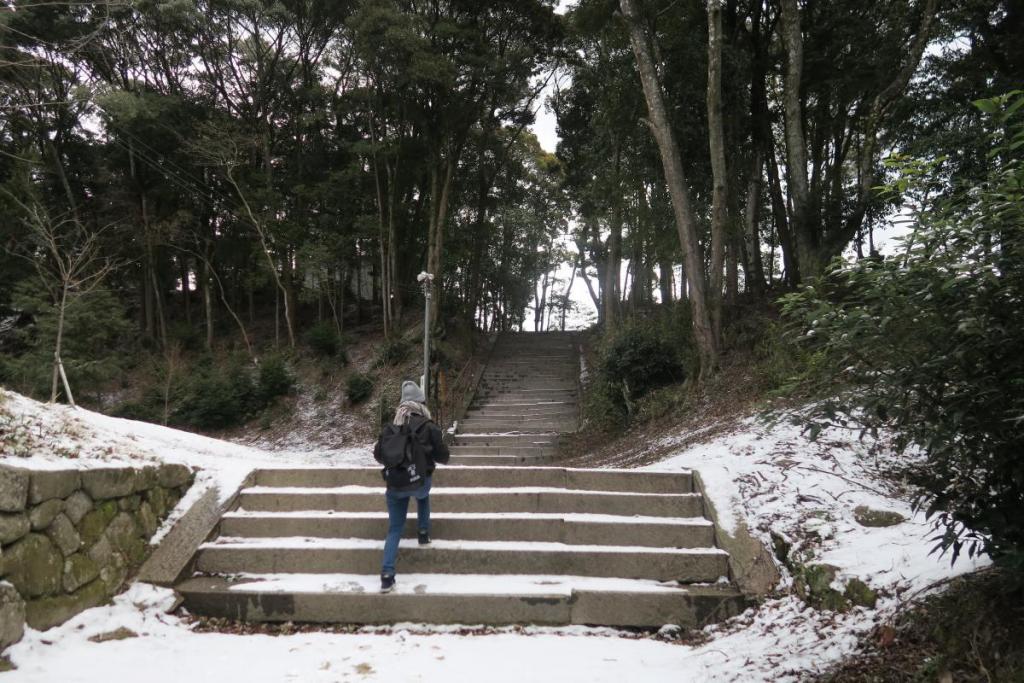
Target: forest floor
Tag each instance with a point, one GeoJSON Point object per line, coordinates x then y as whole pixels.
{"type": "Point", "coordinates": [768, 477]}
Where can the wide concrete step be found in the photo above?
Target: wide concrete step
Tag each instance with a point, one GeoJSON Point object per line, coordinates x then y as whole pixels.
{"type": "Point", "coordinates": [501, 460]}
{"type": "Point", "coordinates": [513, 399]}
{"type": "Point", "coordinates": [525, 385]}
{"type": "Point", "coordinates": [559, 416]}
{"type": "Point", "coordinates": [545, 371]}
{"type": "Point", "coordinates": [502, 498]}
{"type": "Point", "coordinates": [547, 441]}
{"type": "Point", "coordinates": [504, 450]}
{"type": "Point", "coordinates": [545, 366]}
{"type": "Point", "coordinates": [525, 428]}
{"type": "Point", "coordinates": [518, 419]}
{"type": "Point", "coordinates": [293, 554]}
{"type": "Point", "coordinates": [570, 479]}
{"type": "Point", "coordinates": [489, 426]}
{"type": "Point", "coordinates": [570, 529]}
{"type": "Point", "coordinates": [459, 599]}
{"type": "Point", "coordinates": [535, 394]}
{"type": "Point", "coordinates": [530, 406]}
{"type": "Point", "coordinates": [552, 410]}
{"type": "Point", "coordinates": [543, 440]}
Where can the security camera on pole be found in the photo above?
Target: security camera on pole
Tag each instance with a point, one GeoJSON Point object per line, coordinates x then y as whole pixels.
{"type": "Point", "coordinates": [426, 281]}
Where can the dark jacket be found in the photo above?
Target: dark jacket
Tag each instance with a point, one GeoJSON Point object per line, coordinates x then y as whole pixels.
{"type": "Point", "coordinates": [431, 437]}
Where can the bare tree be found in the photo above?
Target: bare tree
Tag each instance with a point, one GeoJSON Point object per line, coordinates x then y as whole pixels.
{"type": "Point", "coordinates": [173, 362]}
{"type": "Point", "coordinates": [223, 151]}
{"type": "Point", "coordinates": [69, 261]}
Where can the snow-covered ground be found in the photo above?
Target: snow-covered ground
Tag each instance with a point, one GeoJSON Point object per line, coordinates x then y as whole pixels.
{"type": "Point", "coordinates": [769, 477]}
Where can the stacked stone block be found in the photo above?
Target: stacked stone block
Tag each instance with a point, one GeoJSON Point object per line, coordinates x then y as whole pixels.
{"type": "Point", "coordinates": [69, 538]}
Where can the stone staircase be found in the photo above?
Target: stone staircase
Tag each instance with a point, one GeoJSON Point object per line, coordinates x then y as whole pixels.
{"type": "Point", "coordinates": [512, 543]}
{"type": "Point", "coordinates": [527, 400]}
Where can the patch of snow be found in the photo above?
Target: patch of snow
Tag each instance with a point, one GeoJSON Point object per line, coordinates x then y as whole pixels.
{"type": "Point", "coordinates": [454, 490]}
{"type": "Point", "coordinates": [774, 479]}
{"type": "Point", "coordinates": [781, 642]}
{"type": "Point", "coordinates": [102, 441]}
{"type": "Point", "coordinates": [449, 584]}
{"type": "Point", "coordinates": [573, 517]}
{"type": "Point", "coordinates": [293, 542]}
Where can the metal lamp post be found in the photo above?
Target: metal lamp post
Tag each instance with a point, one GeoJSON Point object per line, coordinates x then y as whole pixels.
{"type": "Point", "coordinates": [426, 281]}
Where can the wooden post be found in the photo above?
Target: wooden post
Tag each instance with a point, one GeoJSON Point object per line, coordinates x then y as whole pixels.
{"type": "Point", "coordinates": [64, 378]}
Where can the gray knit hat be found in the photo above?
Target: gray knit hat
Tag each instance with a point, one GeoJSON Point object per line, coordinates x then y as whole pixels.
{"type": "Point", "coordinates": [412, 392]}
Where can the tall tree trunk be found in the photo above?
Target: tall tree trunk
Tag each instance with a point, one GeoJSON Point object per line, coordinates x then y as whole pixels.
{"type": "Point", "coordinates": [751, 232]}
{"type": "Point", "coordinates": [781, 219]}
{"type": "Point", "coordinates": [665, 282]}
{"type": "Point", "coordinates": [586, 279]}
{"type": "Point", "coordinates": [612, 269]}
{"type": "Point", "coordinates": [441, 185]}
{"type": "Point", "coordinates": [568, 292]}
{"type": "Point", "coordinates": [732, 255]}
{"type": "Point", "coordinates": [796, 149]}
{"type": "Point", "coordinates": [385, 244]}
{"type": "Point", "coordinates": [186, 287]}
{"type": "Point", "coordinates": [207, 305]}
{"type": "Point", "coordinates": [707, 343]}
{"type": "Point", "coordinates": [716, 143]}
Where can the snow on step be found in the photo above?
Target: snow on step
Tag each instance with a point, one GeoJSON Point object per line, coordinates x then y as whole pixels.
{"type": "Point", "coordinates": [455, 490]}
{"type": "Point", "coordinates": [567, 517]}
{"type": "Point", "coordinates": [292, 542]}
{"type": "Point", "coordinates": [449, 584]}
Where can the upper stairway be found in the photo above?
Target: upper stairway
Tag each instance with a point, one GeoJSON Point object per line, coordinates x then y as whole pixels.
{"type": "Point", "coordinates": [528, 397]}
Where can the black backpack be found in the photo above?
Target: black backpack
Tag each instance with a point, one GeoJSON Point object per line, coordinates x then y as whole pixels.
{"type": "Point", "coordinates": [405, 453]}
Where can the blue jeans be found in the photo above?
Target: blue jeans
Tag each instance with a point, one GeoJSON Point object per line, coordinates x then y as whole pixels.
{"type": "Point", "coordinates": [398, 508]}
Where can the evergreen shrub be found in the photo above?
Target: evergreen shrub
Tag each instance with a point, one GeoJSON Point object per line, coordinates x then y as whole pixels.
{"type": "Point", "coordinates": [393, 351]}
{"type": "Point", "coordinates": [324, 340]}
{"type": "Point", "coordinates": [638, 358]}
{"type": "Point", "coordinates": [274, 378]}
{"type": "Point", "coordinates": [359, 387]}
{"type": "Point", "coordinates": [929, 343]}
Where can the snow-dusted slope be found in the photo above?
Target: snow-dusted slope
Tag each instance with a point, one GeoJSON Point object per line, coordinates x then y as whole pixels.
{"type": "Point", "coordinates": [36, 435]}
{"type": "Point", "coordinates": [770, 478]}
{"type": "Point", "coordinates": [773, 479]}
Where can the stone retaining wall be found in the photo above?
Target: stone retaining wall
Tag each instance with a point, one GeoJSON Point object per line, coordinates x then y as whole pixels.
{"type": "Point", "coordinates": [70, 538]}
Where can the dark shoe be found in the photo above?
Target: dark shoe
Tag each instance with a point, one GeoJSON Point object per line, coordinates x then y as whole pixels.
{"type": "Point", "coordinates": [387, 583]}
{"type": "Point", "coordinates": [424, 538]}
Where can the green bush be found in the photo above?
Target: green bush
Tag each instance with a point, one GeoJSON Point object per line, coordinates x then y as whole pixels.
{"type": "Point", "coordinates": [274, 378]}
{"type": "Point", "coordinates": [359, 387]}
{"type": "Point", "coordinates": [393, 351]}
{"type": "Point", "coordinates": [220, 394]}
{"type": "Point", "coordinates": [637, 359]}
{"type": "Point", "coordinates": [930, 344]}
{"type": "Point", "coordinates": [603, 406]}
{"type": "Point", "coordinates": [142, 410]}
{"type": "Point", "coordinates": [214, 401]}
{"type": "Point", "coordinates": [324, 340]}
{"type": "Point", "coordinates": [640, 358]}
